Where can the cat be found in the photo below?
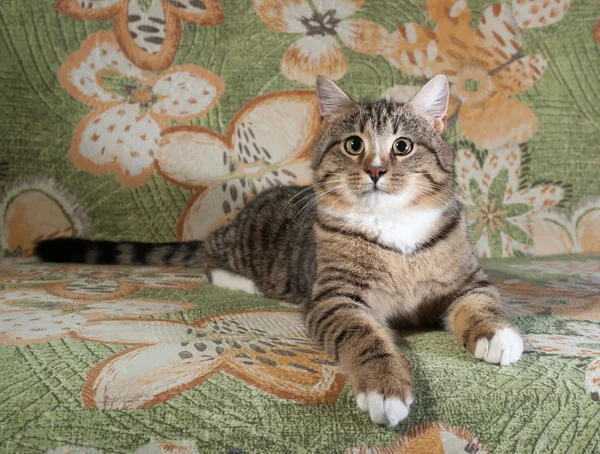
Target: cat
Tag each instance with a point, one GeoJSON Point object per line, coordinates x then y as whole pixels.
{"type": "Point", "coordinates": [378, 243]}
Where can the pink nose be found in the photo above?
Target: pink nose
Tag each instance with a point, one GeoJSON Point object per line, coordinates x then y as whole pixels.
{"type": "Point", "coordinates": [376, 173]}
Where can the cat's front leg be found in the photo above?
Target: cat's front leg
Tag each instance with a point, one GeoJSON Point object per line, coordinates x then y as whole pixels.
{"type": "Point", "coordinates": [364, 349]}
{"type": "Point", "coordinates": [480, 324]}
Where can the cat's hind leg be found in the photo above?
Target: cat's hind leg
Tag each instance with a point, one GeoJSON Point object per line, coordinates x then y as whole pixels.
{"type": "Point", "coordinates": [231, 281]}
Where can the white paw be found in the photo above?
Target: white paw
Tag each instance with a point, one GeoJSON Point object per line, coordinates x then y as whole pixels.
{"type": "Point", "coordinates": [384, 411]}
{"type": "Point", "coordinates": [505, 347]}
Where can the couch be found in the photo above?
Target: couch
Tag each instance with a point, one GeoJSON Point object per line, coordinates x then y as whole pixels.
{"type": "Point", "coordinates": [158, 120]}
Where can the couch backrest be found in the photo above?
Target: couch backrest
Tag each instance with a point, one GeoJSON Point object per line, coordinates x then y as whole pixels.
{"type": "Point", "coordinates": [158, 120]}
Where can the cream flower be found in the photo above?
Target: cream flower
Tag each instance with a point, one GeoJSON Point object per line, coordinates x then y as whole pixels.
{"type": "Point", "coordinates": [319, 52]}
{"type": "Point", "coordinates": [32, 316]}
{"type": "Point", "coordinates": [266, 145]}
{"type": "Point", "coordinates": [266, 349]}
{"type": "Point", "coordinates": [148, 31]}
{"type": "Point", "coordinates": [131, 107]}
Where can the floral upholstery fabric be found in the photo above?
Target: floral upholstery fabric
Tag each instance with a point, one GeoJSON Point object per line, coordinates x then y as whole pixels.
{"type": "Point", "coordinates": [154, 360]}
{"type": "Point", "coordinates": [159, 120]}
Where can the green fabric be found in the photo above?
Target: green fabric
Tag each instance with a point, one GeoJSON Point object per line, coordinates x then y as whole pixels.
{"type": "Point", "coordinates": [547, 402]}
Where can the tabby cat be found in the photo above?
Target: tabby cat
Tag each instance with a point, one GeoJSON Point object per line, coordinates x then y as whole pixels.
{"type": "Point", "coordinates": [378, 243]}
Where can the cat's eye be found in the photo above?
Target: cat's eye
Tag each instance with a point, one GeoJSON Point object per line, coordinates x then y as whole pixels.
{"type": "Point", "coordinates": [402, 147]}
{"type": "Point", "coordinates": [354, 145]}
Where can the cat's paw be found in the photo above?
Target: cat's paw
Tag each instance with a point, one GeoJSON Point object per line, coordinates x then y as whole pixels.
{"type": "Point", "coordinates": [505, 347]}
{"type": "Point", "coordinates": [384, 390]}
{"type": "Point", "coordinates": [384, 410]}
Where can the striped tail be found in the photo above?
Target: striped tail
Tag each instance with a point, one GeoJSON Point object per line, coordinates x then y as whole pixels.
{"type": "Point", "coordinates": [76, 250]}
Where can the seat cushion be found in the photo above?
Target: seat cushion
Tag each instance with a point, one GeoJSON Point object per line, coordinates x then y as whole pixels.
{"type": "Point", "coordinates": [155, 360]}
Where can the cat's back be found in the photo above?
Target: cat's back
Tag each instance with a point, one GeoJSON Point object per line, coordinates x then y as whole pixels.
{"type": "Point", "coordinates": [272, 243]}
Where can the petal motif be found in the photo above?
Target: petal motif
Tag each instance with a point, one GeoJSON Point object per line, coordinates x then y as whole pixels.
{"type": "Point", "coordinates": [96, 10]}
{"type": "Point", "coordinates": [401, 93]}
{"type": "Point", "coordinates": [539, 13]}
{"type": "Point", "coordinates": [283, 16]}
{"type": "Point", "coordinates": [167, 447]}
{"type": "Point", "coordinates": [314, 55]}
{"type": "Point", "coordinates": [136, 332]}
{"type": "Point", "coordinates": [506, 121]}
{"type": "Point", "coordinates": [275, 128]}
{"type": "Point", "coordinates": [142, 377]}
{"type": "Point", "coordinates": [117, 140]}
{"type": "Point", "coordinates": [428, 437]}
{"type": "Point", "coordinates": [27, 327]}
{"type": "Point", "coordinates": [36, 208]}
{"type": "Point", "coordinates": [221, 203]}
{"type": "Point", "coordinates": [454, 36]}
{"type": "Point", "coordinates": [287, 368]}
{"type": "Point", "coordinates": [519, 75]}
{"type": "Point", "coordinates": [498, 36]}
{"type": "Point", "coordinates": [467, 169]}
{"type": "Point", "coordinates": [186, 92]}
{"type": "Point", "coordinates": [551, 235]}
{"type": "Point", "coordinates": [149, 37]}
{"type": "Point", "coordinates": [214, 207]}
{"type": "Point", "coordinates": [342, 8]}
{"type": "Point", "coordinates": [364, 36]}
{"type": "Point", "coordinates": [193, 156]}
{"type": "Point", "coordinates": [596, 32]}
{"type": "Point", "coordinates": [587, 223]}
{"type": "Point", "coordinates": [414, 50]}
{"type": "Point", "coordinates": [200, 12]}
{"type": "Point", "coordinates": [100, 52]}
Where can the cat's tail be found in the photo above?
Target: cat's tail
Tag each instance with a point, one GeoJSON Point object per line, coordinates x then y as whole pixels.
{"type": "Point", "coordinates": [76, 250]}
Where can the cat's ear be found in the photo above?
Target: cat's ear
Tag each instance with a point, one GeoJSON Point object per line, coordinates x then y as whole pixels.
{"type": "Point", "coordinates": [432, 101]}
{"type": "Point", "coordinates": [331, 98]}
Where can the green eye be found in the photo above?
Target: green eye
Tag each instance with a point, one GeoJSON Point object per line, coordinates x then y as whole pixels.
{"type": "Point", "coordinates": [402, 147]}
{"type": "Point", "coordinates": [354, 145]}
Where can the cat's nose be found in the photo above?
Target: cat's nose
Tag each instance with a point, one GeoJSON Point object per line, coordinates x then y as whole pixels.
{"type": "Point", "coordinates": [376, 173]}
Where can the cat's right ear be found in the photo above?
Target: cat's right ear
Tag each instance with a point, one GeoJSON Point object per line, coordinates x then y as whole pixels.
{"type": "Point", "coordinates": [331, 98]}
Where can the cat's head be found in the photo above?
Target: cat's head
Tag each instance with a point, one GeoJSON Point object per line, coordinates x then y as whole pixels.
{"type": "Point", "coordinates": [374, 154]}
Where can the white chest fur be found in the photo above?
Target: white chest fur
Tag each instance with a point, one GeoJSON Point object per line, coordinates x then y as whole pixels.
{"type": "Point", "coordinates": [401, 229]}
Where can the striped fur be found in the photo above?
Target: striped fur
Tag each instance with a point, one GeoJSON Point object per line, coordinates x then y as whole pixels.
{"type": "Point", "coordinates": [362, 257]}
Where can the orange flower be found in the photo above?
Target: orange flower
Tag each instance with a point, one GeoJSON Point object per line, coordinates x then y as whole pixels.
{"type": "Point", "coordinates": [266, 349]}
{"type": "Point", "coordinates": [147, 31]}
{"type": "Point", "coordinates": [319, 52]}
{"type": "Point", "coordinates": [429, 437]}
{"type": "Point", "coordinates": [484, 67]}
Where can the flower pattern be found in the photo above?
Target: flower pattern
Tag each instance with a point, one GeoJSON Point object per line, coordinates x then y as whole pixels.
{"type": "Point", "coordinates": [148, 31]}
{"type": "Point", "coordinates": [266, 349]}
{"type": "Point", "coordinates": [585, 343]}
{"type": "Point", "coordinates": [428, 438]}
{"type": "Point", "coordinates": [33, 316]}
{"type": "Point", "coordinates": [131, 107]}
{"type": "Point", "coordinates": [484, 68]}
{"type": "Point", "coordinates": [95, 283]}
{"type": "Point", "coordinates": [555, 233]}
{"type": "Point", "coordinates": [162, 447]}
{"type": "Point", "coordinates": [267, 145]}
{"type": "Point", "coordinates": [501, 212]}
{"type": "Point", "coordinates": [569, 298]}
{"type": "Point", "coordinates": [539, 13]}
{"type": "Point", "coordinates": [37, 208]}
{"type": "Point", "coordinates": [321, 22]}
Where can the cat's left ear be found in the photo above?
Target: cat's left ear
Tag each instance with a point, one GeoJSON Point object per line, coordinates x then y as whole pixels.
{"type": "Point", "coordinates": [431, 101]}
{"type": "Point", "coordinates": [331, 98]}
